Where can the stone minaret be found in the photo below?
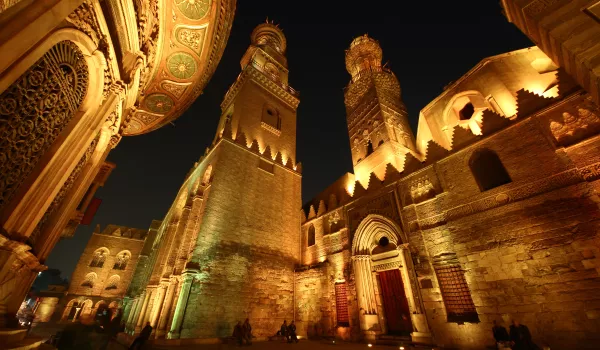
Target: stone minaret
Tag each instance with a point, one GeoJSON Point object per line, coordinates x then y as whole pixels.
{"type": "Point", "coordinates": [377, 118]}
{"type": "Point", "coordinates": [248, 239]}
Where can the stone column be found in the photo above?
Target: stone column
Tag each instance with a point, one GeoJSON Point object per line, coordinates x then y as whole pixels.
{"type": "Point", "coordinates": [366, 294]}
{"type": "Point", "coordinates": [126, 308]}
{"type": "Point", "coordinates": [188, 278]}
{"type": "Point", "coordinates": [130, 316]}
{"type": "Point", "coordinates": [166, 310]}
{"type": "Point", "coordinates": [140, 323]}
{"type": "Point", "coordinates": [159, 299]}
{"type": "Point", "coordinates": [18, 269]}
{"type": "Point", "coordinates": [136, 314]}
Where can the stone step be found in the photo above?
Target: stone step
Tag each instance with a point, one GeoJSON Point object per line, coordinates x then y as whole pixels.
{"type": "Point", "coordinates": [9, 335]}
{"type": "Point", "coordinates": [393, 340]}
{"type": "Point", "coordinates": [25, 344]}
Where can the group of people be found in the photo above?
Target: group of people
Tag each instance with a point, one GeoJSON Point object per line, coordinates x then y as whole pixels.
{"type": "Point", "coordinates": [89, 333]}
{"type": "Point", "coordinates": [288, 331]}
{"type": "Point", "coordinates": [519, 337]}
{"type": "Point", "coordinates": [242, 333]}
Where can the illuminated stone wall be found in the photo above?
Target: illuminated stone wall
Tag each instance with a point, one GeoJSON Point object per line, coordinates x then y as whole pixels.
{"type": "Point", "coordinates": [316, 300]}
{"type": "Point", "coordinates": [528, 248]}
{"type": "Point", "coordinates": [115, 240]}
{"type": "Point", "coordinates": [247, 247]}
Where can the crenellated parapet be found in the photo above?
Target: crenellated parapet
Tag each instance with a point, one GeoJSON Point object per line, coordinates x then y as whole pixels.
{"type": "Point", "coordinates": [565, 127]}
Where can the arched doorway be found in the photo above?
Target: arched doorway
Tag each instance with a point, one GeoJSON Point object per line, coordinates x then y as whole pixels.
{"type": "Point", "coordinates": [72, 310]}
{"type": "Point", "coordinates": [385, 281]}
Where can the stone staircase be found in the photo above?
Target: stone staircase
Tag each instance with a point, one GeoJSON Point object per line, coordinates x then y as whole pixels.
{"type": "Point", "coordinates": [16, 339]}
{"type": "Point", "coordinates": [394, 340]}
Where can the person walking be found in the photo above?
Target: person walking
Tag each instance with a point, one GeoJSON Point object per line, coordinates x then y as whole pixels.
{"type": "Point", "coordinates": [292, 337]}
{"type": "Point", "coordinates": [501, 336]}
{"type": "Point", "coordinates": [238, 333]}
{"type": "Point", "coordinates": [520, 337]}
{"type": "Point", "coordinates": [83, 334]}
{"type": "Point", "coordinates": [283, 331]}
{"type": "Point", "coordinates": [247, 332]}
{"type": "Point", "coordinates": [142, 338]}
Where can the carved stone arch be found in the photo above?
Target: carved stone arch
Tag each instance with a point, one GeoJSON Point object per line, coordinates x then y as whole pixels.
{"type": "Point", "coordinates": [72, 309]}
{"type": "Point", "coordinates": [86, 308]}
{"type": "Point", "coordinates": [121, 260]}
{"type": "Point", "coordinates": [465, 109]}
{"type": "Point", "coordinates": [379, 255]}
{"type": "Point", "coordinates": [34, 195]}
{"type": "Point", "coordinates": [371, 230]}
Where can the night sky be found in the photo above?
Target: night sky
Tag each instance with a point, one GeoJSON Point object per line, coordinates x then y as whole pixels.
{"type": "Point", "coordinates": [427, 44]}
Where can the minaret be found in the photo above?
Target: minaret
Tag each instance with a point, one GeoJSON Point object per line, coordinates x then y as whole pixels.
{"type": "Point", "coordinates": [377, 118]}
{"type": "Point", "coordinates": [261, 103]}
{"type": "Point", "coordinates": [248, 232]}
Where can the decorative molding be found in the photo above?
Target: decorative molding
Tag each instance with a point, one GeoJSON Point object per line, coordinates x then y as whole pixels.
{"type": "Point", "coordinates": [193, 38]}
{"type": "Point", "coordinates": [386, 265]}
{"type": "Point", "coordinates": [270, 128]}
{"type": "Point", "coordinates": [564, 179]}
{"type": "Point", "coordinates": [421, 189]}
{"type": "Point", "coordinates": [39, 105]}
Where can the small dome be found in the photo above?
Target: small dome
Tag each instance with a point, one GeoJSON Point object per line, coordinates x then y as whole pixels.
{"type": "Point", "coordinates": [364, 53]}
{"type": "Point", "coordinates": [269, 34]}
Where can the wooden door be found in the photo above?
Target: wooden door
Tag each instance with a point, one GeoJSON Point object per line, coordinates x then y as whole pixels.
{"type": "Point", "coordinates": [395, 303]}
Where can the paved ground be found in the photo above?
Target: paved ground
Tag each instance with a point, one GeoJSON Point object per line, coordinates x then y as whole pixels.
{"type": "Point", "coordinates": [302, 345]}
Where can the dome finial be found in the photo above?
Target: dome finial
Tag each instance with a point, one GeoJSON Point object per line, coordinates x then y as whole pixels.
{"type": "Point", "coordinates": [364, 53]}
{"type": "Point", "coordinates": [269, 34]}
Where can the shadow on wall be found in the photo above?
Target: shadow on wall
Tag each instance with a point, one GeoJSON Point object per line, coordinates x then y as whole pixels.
{"type": "Point", "coordinates": [223, 329]}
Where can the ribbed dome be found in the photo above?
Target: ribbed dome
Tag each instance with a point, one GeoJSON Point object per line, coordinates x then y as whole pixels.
{"type": "Point", "coordinates": [269, 34]}
{"type": "Point", "coordinates": [364, 53]}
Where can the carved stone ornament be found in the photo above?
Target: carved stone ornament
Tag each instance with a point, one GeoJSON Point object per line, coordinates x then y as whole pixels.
{"type": "Point", "coordinates": [175, 89]}
{"type": "Point", "coordinates": [191, 37]}
{"type": "Point", "coordinates": [421, 189]}
{"type": "Point", "coordinates": [193, 9]}
{"type": "Point", "coordinates": [149, 24]}
{"type": "Point", "coordinates": [84, 18]}
{"type": "Point", "coordinates": [571, 123]}
{"type": "Point", "coordinates": [35, 109]}
{"type": "Point", "coordinates": [64, 190]}
{"type": "Point", "coordinates": [335, 218]}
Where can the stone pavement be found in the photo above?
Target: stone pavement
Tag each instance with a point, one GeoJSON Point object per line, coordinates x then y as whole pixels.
{"type": "Point", "coordinates": [273, 345]}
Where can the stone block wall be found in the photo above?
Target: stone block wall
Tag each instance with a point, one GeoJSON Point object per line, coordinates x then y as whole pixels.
{"type": "Point", "coordinates": [115, 244]}
{"type": "Point", "coordinates": [247, 247]}
{"type": "Point", "coordinates": [315, 299]}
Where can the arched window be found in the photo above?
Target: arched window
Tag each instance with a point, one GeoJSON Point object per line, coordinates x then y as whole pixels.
{"type": "Point", "coordinates": [311, 236]}
{"type": "Point", "coordinates": [112, 282]}
{"type": "Point", "coordinates": [99, 257]}
{"type": "Point", "coordinates": [271, 119]}
{"type": "Point", "coordinates": [89, 280]}
{"type": "Point", "coordinates": [122, 260]}
{"type": "Point", "coordinates": [369, 147]}
{"type": "Point", "coordinates": [488, 169]}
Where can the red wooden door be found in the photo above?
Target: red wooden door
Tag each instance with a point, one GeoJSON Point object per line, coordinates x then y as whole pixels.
{"type": "Point", "coordinates": [395, 303]}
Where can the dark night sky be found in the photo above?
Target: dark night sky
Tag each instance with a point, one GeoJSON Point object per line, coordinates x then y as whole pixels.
{"type": "Point", "coordinates": [427, 44]}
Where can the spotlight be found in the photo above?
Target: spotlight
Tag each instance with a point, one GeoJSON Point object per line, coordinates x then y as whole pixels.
{"type": "Point", "coordinates": [370, 345]}
{"type": "Point", "coordinates": [402, 348]}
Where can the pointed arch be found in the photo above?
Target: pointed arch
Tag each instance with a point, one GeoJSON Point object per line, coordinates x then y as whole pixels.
{"type": "Point", "coordinates": [99, 257]}
{"type": "Point", "coordinates": [112, 282]}
{"type": "Point", "coordinates": [121, 260]}
{"type": "Point", "coordinates": [90, 280]}
{"type": "Point", "coordinates": [371, 230]}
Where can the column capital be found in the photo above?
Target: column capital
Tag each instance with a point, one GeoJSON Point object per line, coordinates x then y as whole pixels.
{"type": "Point", "coordinates": [361, 257]}
{"type": "Point", "coordinates": [21, 251]}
